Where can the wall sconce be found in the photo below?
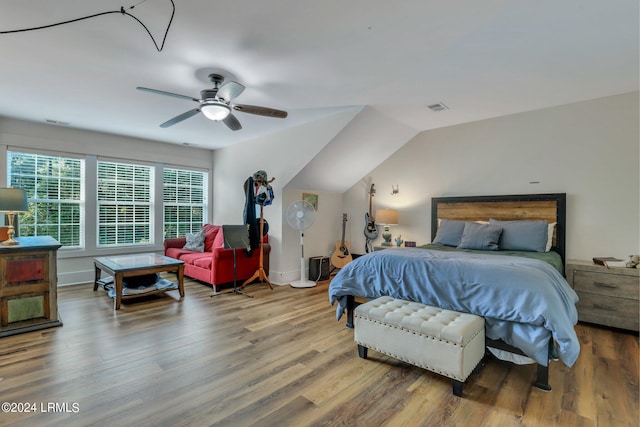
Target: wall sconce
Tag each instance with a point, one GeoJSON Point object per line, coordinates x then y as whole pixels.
{"type": "Point", "coordinates": [12, 200]}
{"type": "Point", "coordinates": [387, 217]}
{"type": "Point", "coordinates": [394, 189]}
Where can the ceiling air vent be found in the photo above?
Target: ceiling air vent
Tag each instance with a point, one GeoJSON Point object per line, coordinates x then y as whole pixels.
{"type": "Point", "coordinates": [437, 107]}
{"type": "Point", "coordinates": [57, 122]}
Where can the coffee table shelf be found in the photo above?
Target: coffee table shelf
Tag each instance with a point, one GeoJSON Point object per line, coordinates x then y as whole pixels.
{"type": "Point", "coordinates": [121, 266]}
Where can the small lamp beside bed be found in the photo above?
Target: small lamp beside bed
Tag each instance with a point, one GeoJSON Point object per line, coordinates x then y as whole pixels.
{"type": "Point", "coordinates": [387, 217]}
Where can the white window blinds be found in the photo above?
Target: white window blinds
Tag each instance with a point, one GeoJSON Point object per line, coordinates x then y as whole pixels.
{"type": "Point", "coordinates": [125, 204]}
{"type": "Point", "coordinates": [55, 191]}
{"type": "Point", "coordinates": [185, 201]}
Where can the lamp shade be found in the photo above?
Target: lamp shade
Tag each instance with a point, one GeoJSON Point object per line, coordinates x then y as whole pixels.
{"type": "Point", "coordinates": [387, 216]}
{"type": "Point", "coordinates": [215, 111]}
{"type": "Point", "coordinates": [13, 200]}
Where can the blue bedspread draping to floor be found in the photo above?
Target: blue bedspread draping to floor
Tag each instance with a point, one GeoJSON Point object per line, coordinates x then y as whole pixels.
{"type": "Point", "coordinates": [525, 301]}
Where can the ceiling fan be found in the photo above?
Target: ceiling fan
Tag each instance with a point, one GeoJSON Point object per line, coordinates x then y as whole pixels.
{"type": "Point", "coordinates": [216, 105]}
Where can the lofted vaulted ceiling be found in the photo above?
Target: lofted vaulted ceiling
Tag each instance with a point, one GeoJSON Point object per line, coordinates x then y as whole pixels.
{"type": "Point", "coordinates": [481, 59]}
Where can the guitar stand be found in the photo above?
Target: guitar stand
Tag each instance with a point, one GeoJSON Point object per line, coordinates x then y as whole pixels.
{"type": "Point", "coordinates": [235, 237]}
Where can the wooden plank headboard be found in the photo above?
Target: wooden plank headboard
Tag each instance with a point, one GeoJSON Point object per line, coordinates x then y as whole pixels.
{"type": "Point", "coordinates": [549, 207]}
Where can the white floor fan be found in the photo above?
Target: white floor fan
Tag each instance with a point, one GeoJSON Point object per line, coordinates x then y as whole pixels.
{"type": "Point", "coordinates": [300, 215]}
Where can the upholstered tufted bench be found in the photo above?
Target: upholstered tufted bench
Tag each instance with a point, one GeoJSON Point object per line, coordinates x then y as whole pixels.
{"type": "Point", "coordinates": [443, 341]}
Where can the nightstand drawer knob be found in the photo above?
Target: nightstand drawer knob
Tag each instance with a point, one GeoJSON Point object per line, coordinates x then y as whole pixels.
{"type": "Point", "coordinates": [604, 307]}
{"type": "Point", "coordinates": [605, 285]}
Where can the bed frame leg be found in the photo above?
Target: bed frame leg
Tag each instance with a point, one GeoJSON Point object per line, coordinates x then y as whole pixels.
{"type": "Point", "coordinates": [350, 307]}
{"type": "Point", "coordinates": [542, 379]}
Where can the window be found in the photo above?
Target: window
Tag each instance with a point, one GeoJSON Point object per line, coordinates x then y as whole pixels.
{"type": "Point", "coordinates": [185, 201]}
{"type": "Point", "coordinates": [125, 204]}
{"type": "Point", "coordinates": [55, 190]}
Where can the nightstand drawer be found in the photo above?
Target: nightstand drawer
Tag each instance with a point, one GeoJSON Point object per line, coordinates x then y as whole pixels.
{"type": "Point", "coordinates": [610, 311]}
{"type": "Point", "coordinates": [614, 285]}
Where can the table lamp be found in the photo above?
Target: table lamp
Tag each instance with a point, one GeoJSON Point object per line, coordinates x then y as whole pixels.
{"type": "Point", "coordinates": [12, 200]}
{"type": "Point", "coordinates": [387, 217]}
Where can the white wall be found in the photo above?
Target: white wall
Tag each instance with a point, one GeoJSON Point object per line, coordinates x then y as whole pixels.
{"type": "Point", "coordinates": [281, 155]}
{"type": "Point", "coordinates": [589, 150]}
{"type": "Point", "coordinates": [363, 144]}
{"type": "Point", "coordinates": [319, 239]}
{"type": "Point", "coordinates": [76, 266]}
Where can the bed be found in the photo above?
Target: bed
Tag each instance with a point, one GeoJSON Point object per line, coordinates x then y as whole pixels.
{"type": "Point", "coordinates": [528, 306]}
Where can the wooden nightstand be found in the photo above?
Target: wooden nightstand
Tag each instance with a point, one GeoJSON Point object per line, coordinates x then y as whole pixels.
{"type": "Point", "coordinates": [380, 248]}
{"type": "Point", "coordinates": [608, 296]}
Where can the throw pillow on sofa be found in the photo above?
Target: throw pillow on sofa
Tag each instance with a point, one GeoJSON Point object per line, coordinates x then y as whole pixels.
{"type": "Point", "coordinates": [212, 233]}
{"type": "Point", "coordinates": [195, 241]}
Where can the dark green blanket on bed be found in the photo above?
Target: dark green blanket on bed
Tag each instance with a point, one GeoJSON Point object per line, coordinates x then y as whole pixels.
{"type": "Point", "coordinates": [550, 257]}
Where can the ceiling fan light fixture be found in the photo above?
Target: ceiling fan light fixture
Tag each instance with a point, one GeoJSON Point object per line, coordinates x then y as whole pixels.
{"type": "Point", "coordinates": [215, 111]}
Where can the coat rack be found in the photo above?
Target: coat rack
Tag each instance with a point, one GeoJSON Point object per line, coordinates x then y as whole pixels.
{"type": "Point", "coordinates": [260, 273]}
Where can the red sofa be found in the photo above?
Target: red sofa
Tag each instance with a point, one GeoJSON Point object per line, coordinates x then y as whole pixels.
{"type": "Point", "coordinates": [215, 265]}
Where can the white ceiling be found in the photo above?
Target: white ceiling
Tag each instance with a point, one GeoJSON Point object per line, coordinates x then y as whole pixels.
{"type": "Point", "coordinates": [481, 58]}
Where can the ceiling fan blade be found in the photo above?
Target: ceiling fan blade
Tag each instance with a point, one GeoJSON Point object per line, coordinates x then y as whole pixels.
{"type": "Point", "coordinates": [161, 92]}
{"type": "Point", "coordinates": [232, 122]}
{"type": "Point", "coordinates": [179, 118]}
{"type": "Point", "coordinates": [261, 111]}
{"type": "Point", "coordinates": [230, 90]}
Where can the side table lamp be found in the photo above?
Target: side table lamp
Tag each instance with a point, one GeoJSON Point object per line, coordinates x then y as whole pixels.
{"type": "Point", "coordinates": [387, 217]}
{"type": "Point", "coordinates": [12, 200]}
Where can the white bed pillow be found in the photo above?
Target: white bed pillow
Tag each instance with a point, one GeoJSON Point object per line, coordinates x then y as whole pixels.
{"type": "Point", "coordinates": [550, 230]}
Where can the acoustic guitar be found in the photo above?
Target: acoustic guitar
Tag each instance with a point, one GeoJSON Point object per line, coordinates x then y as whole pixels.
{"type": "Point", "coordinates": [342, 255]}
{"type": "Point", "coordinates": [370, 230]}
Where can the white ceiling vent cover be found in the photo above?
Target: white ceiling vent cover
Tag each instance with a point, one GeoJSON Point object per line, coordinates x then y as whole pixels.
{"type": "Point", "coordinates": [437, 107]}
{"type": "Point", "coordinates": [56, 122]}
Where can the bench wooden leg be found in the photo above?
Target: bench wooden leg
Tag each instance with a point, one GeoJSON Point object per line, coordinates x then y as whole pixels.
{"type": "Point", "coordinates": [362, 351]}
{"type": "Point", "coordinates": [457, 387]}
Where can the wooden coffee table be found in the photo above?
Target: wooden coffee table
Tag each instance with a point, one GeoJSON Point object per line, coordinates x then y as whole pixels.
{"type": "Point", "coordinates": [121, 266]}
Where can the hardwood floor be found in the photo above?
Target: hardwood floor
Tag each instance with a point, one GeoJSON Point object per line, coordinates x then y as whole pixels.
{"type": "Point", "coordinates": [280, 359]}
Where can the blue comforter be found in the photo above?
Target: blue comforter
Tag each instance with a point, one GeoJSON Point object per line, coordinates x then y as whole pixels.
{"type": "Point", "coordinates": [525, 301]}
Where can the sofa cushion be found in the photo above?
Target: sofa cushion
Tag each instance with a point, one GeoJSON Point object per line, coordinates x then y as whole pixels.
{"type": "Point", "coordinates": [177, 253]}
{"type": "Point", "coordinates": [193, 257]}
{"type": "Point", "coordinates": [204, 262]}
{"type": "Point", "coordinates": [211, 231]}
{"type": "Point", "coordinates": [218, 242]}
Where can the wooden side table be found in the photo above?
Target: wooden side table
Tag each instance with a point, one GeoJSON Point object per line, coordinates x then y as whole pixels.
{"type": "Point", "coordinates": [379, 248]}
{"type": "Point", "coordinates": [608, 296]}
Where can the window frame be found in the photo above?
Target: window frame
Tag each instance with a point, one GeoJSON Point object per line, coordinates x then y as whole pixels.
{"type": "Point", "coordinates": [183, 207]}
{"type": "Point", "coordinates": [34, 193]}
{"type": "Point", "coordinates": [142, 208]}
